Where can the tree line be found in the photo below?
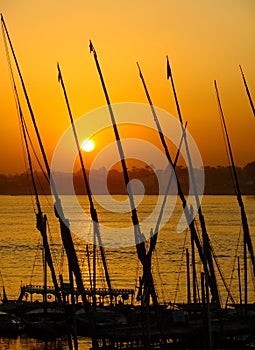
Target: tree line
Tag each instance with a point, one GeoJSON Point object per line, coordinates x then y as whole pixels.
{"type": "Point", "coordinates": [218, 181]}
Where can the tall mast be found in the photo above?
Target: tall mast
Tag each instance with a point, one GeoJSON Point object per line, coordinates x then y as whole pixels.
{"type": "Point", "coordinates": [206, 241]}
{"type": "Point", "coordinates": [154, 238]}
{"type": "Point", "coordinates": [246, 231]}
{"type": "Point", "coordinates": [41, 220]}
{"type": "Point", "coordinates": [139, 237]}
{"type": "Point", "coordinates": [194, 235]}
{"type": "Point", "coordinates": [93, 211]}
{"type": "Point", "coordinates": [64, 224]}
{"type": "Point", "coordinates": [247, 91]}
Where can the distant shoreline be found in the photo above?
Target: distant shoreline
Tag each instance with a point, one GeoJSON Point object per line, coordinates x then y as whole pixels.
{"type": "Point", "coordinates": [218, 181]}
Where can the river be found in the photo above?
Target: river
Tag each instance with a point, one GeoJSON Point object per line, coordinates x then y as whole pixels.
{"type": "Point", "coordinates": [21, 251]}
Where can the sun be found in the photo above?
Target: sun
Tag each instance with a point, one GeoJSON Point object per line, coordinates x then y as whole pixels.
{"type": "Point", "coordinates": [87, 145]}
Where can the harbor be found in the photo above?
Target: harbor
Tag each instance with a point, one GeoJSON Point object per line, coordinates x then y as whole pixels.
{"type": "Point", "coordinates": [125, 241]}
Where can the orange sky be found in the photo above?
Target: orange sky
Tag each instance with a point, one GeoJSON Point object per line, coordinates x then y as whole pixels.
{"type": "Point", "coordinates": [204, 41]}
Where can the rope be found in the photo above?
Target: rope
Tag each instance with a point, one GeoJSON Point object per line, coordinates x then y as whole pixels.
{"type": "Point", "coordinates": [18, 105]}
{"type": "Point", "coordinates": [200, 265]}
{"type": "Point", "coordinates": [35, 259]}
{"type": "Point", "coordinates": [234, 264]}
{"type": "Point", "coordinates": [180, 269]}
{"type": "Point", "coordinates": [159, 274]}
{"type": "Point", "coordinates": [222, 276]}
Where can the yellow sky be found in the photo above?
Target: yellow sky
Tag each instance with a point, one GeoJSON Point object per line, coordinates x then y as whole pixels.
{"type": "Point", "coordinates": [205, 40]}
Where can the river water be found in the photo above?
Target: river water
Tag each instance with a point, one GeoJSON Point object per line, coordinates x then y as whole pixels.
{"type": "Point", "coordinates": [21, 251]}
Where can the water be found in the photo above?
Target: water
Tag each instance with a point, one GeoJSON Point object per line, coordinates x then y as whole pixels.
{"type": "Point", "coordinates": [21, 253]}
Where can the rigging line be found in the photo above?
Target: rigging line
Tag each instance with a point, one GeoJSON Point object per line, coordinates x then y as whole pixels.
{"type": "Point", "coordinates": [180, 267]}
{"type": "Point", "coordinates": [53, 250]}
{"type": "Point", "coordinates": [88, 252]}
{"type": "Point", "coordinates": [246, 231]}
{"type": "Point", "coordinates": [167, 190]}
{"type": "Point", "coordinates": [40, 218]}
{"type": "Point", "coordinates": [35, 153]}
{"type": "Point", "coordinates": [63, 222]}
{"type": "Point", "coordinates": [222, 276]}
{"type": "Point", "coordinates": [149, 289]}
{"type": "Point", "coordinates": [211, 278]}
{"type": "Point", "coordinates": [38, 247]}
{"type": "Point", "coordinates": [137, 273]}
{"type": "Point", "coordinates": [204, 254]}
{"type": "Point", "coordinates": [18, 110]}
{"type": "Point", "coordinates": [5, 31]}
{"type": "Point", "coordinates": [155, 255]}
{"type": "Point", "coordinates": [43, 190]}
{"type": "Point", "coordinates": [93, 211]}
{"type": "Point", "coordinates": [229, 294]}
{"type": "Point", "coordinates": [200, 265]}
{"type": "Point", "coordinates": [24, 157]}
{"type": "Point", "coordinates": [61, 260]}
{"type": "Point", "coordinates": [152, 247]}
{"type": "Point", "coordinates": [31, 194]}
{"type": "Point", "coordinates": [14, 87]}
{"type": "Point", "coordinates": [198, 230]}
{"type": "Point", "coordinates": [138, 235]}
{"type": "Point", "coordinates": [233, 266]}
{"type": "Point", "coordinates": [21, 118]}
{"type": "Point", "coordinates": [170, 75]}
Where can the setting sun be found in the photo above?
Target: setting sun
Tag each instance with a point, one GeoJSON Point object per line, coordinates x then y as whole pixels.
{"type": "Point", "coordinates": [87, 145]}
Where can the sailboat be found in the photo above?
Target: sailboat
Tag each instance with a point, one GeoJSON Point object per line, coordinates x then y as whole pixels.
{"type": "Point", "coordinates": [146, 325]}
{"type": "Point", "coordinates": [150, 323]}
{"type": "Point", "coordinates": [102, 316]}
{"type": "Point", "coordinates": [43, 316]}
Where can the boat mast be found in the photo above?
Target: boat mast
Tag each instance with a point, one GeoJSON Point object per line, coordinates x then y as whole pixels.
{"type": "Point", "coordinates": [154, 237]}
{"type": "Point", "coordinates": [41, 220]}
{"type": "Point", "coordinates": [139, 237]}
{"type": "Point", "coordinates": [206, 241]}
{"type": "Point", "coordinates": [194, 235]}
{"type": "Point", "coordinates": [93, 211]}
{"type": "Point", "coordinates": [246, 231]}
{"type": "Point", "coordinates": [64, 224]}
{"type": "Point", "coordinates": [247, 91]}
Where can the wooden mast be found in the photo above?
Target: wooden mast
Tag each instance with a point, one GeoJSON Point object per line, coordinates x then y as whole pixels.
{"type": "Point", "coordinates": [64, 224]}
{"type": "Point", "coordinates": [93, 211]}
{"type": "Point", "coordinates": [145, 259]}
{"type": "Point", "coordinates": [194, 235]}
{"type": "Point", "coordinates": [210, 278]}
{"type": "Point", "coordinates": [247, 91]}
{"type": "Point", "coordinates": [139, 237]}
{"type": "Point", "coordinates": [41, 220]}
{"type": "Point", "coordinates": [246, 231]}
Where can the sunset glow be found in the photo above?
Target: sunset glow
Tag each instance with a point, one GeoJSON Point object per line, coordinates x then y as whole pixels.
{"type": "Point", "coordinates": [88, 145]}
{"type": "Point", "coordinates": [203, 40]}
